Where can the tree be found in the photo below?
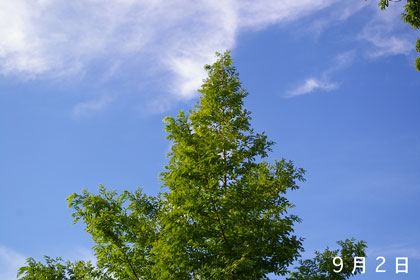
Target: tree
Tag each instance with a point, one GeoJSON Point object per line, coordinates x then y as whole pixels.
{"type": "Point", "coordinates": [229, 208]}
{"type": "Point", "coordinates": [411, 15]}
{"type": "Point", "coordinates": [56, 269]}
{"type": "Point", "coordinates": [322, 267]}
{"type": "Point", "coordinates": [223, 213]}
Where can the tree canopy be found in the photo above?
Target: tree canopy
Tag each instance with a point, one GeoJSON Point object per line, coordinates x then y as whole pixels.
{"type": "Point", "coordinates": [222, 212]}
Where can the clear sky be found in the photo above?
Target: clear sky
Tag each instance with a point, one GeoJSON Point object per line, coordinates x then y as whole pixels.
{"type": "Point", "coordinates": [84, 86]}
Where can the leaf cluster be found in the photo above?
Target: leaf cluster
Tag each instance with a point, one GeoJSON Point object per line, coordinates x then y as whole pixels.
{"type": "Point", "coordinates": [123, 227]}
{"type": "Point", "coordinates": [57, 269]}
{"type": "Point", "coordinates": [321, 267]}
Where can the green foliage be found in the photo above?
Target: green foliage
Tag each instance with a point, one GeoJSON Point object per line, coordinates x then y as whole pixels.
{"type": "Point", "coordinates": [383, 4]}
{"type": "Point", "coordinates": [226, 214]}
{"type": "Point", "coordinates": [56, 269]}
{"type": "Point", "coordinates": [321, 267]}
{"type": "Point", "coordinates": [124, 228]}
{"type": "Point", "coordinates": [411, 15]}
{"type": "Point", "coordinates": [418, 45]}
{"type": "Point", "coordinates": [223, 214]}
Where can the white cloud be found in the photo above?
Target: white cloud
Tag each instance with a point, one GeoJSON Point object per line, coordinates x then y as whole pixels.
{"type": "Point", "coordinates": [10, 262]}
{"type": "Point", "coordinates": [341, 61]}
{"type": "Point", "coordinates": [87, 108]}
{"type": "Point", "coordinates": [323, 83]}
{"type": "Point", "coordinates": [339, 13]}
{"type": "Point", "coordinates": [309, 86]}
{"type": "Point", "coordinates": [387, 34]}
{"type": "Point", "coordinates": [44, 39]}
{"type": "Point", "coordinates": [161, 42]}
{"type": "Point", "coordinates": [388, 45]}
{"type": "Point", "coordinates": [259, 14]}
{"type": "Point", "coordinates": [396, 250]}
{"type": "Point", "coordinates": [84, 254]}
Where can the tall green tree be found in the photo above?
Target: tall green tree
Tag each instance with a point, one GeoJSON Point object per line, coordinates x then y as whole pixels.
{"type": "Point", "coordinates": [226, 213]}
{"type": "Point", "coordinates": [411, 15]}
{"type": "Point", "coordinates": [223, 212]}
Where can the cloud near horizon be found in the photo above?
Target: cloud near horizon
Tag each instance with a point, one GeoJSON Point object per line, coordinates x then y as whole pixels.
{"type": "Point", "coordinates": [10, 262]}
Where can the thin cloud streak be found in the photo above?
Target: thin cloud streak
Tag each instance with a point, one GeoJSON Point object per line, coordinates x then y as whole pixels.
{"type": "Point", "coordinates": [387, 34]}
{"type": "Point", "coordinates": [88, 108]}
{"type": "Point", "coordinates": [309, 86]}
{"type": "Point", "coordinates": [340, 12]}
{"type": "Point", "coordinates": [396, 250]}
{"type": "Point", "coordinates": [323, 83]}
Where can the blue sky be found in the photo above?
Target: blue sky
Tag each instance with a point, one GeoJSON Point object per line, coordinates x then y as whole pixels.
{"type": "Point", "coordinates": [84, 86]}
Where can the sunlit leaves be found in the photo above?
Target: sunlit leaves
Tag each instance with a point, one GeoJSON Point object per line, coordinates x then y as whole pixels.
{"type": "Point", "coordinates": [321, 267]}
{"type": "Point", "coordinates": [227, 215]}
{"type": "Point", "coordinates": [223, 213]}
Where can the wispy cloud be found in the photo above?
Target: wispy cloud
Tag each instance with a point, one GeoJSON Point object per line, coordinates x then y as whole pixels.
{"type": "Point", "coordinates": [396, 250]}
{"type": "Point", "coordinates": [82, 253]}
{"type": "Point", "coordinates": [387, 34]}
{"type": "Point", "coordinates": [323, 82]}
{"type": "Point", "coordinates": [340, 62]}
{"type": "Point", "coordinates": [259, 14]}
{"type": "Point", "coordinates": [340, 12]}
{"type": "Point", "coordinates": [90, 107]}
{"type": "Point", "coordinates": [165, 43]}
{"type": "Point", "coordinates": [45, 38]}
{"type": "Point", "coordinates": [309, 86]}
{"type": "Point", "coordinates": [10, 262]}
